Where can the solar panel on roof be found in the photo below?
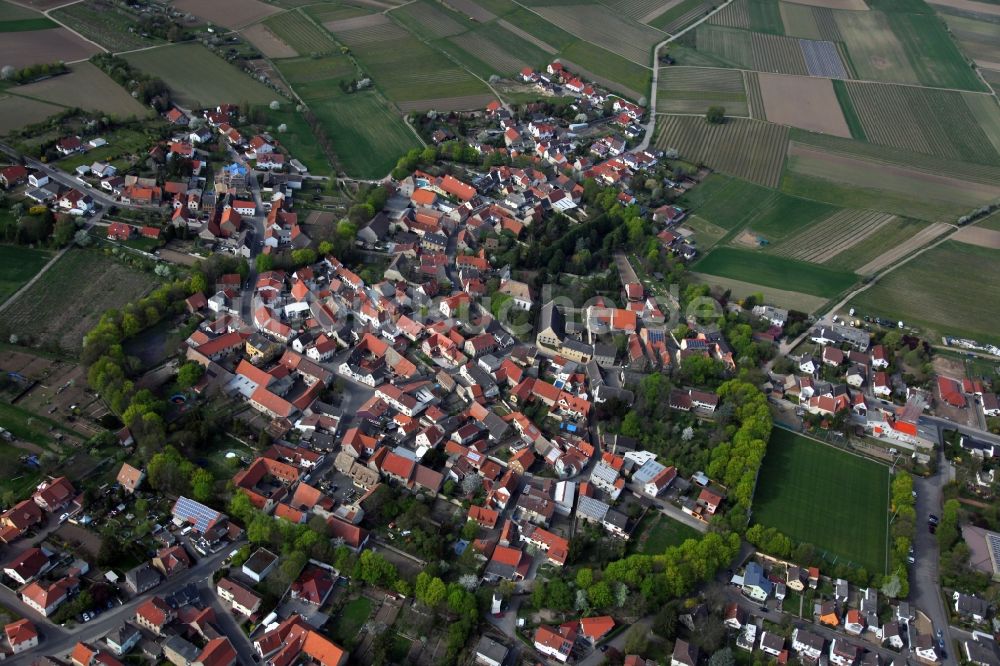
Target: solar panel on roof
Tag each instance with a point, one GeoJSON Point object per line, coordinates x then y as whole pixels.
{"type": "Point", "coordinates": [198, 514]}
{"type": "Point", "coordinates": [656, 335]}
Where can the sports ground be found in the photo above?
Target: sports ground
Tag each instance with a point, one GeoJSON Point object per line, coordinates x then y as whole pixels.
{"type": "Point", "coordinates": [817, 494]}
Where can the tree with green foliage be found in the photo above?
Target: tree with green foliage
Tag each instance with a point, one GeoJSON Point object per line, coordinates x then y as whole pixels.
{"type": "Point", "coordinates": [202, 485]}
{"type": "Point", "coordinates": [715, 115]}
{"type": "Point", "coordinates": [375, 570]}
{"type": "Point", "coordinates": [190, 374]}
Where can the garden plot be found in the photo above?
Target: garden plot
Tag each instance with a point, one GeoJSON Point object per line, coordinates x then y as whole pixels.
{"type": "Point", "coordinates": [840, 231]}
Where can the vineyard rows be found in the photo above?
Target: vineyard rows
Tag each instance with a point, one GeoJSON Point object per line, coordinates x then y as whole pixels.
{"type": "Point", "coordinates": [826, 239]}
{"type": "Point", "coordinates": [936, 122]}
{"type": "Point", "coordinates": [748, 149]}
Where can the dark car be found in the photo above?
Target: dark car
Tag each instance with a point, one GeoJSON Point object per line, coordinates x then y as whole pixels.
{"type": "Point", "coordinates": [932, 528]}
{"type": "Point", "coordinates": [932, 519]}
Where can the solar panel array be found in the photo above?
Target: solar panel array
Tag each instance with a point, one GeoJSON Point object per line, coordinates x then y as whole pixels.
{"type": "Point", "coordinates": [201, 516]}
{"type": "Point", "coordinates": [993, 541]}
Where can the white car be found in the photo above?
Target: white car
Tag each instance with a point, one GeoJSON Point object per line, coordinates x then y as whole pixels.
{"type": "Point", "coordinates": [62, 518]}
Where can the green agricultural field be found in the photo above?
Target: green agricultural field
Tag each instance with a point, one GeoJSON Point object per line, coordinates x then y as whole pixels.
{"type": "Point", "coordinates": [966, 304]}
{"type": "Point", "coordinates": [17, 266]}
{"type": "Point", "coordinates": [990, 222]}
{"type": "Point", "coordinates": [15, 18]}
{"type": "Point", "coordinates": [408, 71]}
{"type": "Point", "coordinates": [978, 36]}
{"type": "Point", "coordinates": [769, 270]}
{"type": "Point", "coordinates": [726, 202]}
{"type": "Point", "coordinates": [367, 135]}
{"type": "Point", "coordinates": [834, 500]}
{"type": "Point", "coordinates": [608, 69]}
{"type": "Point", "coordinates": [932, 52]}
{"type": "Point", "coordinates": [217, 81]}
{"type": "Point", "coordinates": [850, 113]}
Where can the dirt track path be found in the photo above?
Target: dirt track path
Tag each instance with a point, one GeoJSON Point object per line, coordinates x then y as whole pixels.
{"type": "Point", "coordinates": [900, 251]}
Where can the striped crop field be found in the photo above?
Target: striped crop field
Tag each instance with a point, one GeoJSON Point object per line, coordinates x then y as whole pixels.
{"type": "Point", "coordinates": [755, 100]}
{"type": "Point", "coordinates": [777, 54]}
{"type": "Point", "coordinates": [935, 122]}
{"type": "Point", "coordinates": [300, 33]}
{"type": "Point", "coordinates": [820, 242]}
{"type": "Point", "coordinates": [694, 89]}
{"type": "Point", "coordinates": [485, 55]}
{"type": "Point", "coordinates": [428, 20]}
{"type": "Point", "coordinates": [749, 149]}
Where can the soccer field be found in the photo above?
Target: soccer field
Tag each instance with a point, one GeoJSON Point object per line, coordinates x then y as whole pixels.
{"type": "Point", "coordinates": [816, 494]}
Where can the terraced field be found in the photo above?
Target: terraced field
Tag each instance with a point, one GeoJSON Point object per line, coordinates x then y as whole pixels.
{"type": "Point", "coordinates": [829, 237]}
{"type": "Point", "coordinates": [300, 33]}
{"type": "Point", "coordinates": [599, 25]}
{"type": "Point", "coordinates": [694, 89]}
{"type": "Point", "coordinates": [935, 122]}
{"type": "Point", "coordinates": [748, 149]}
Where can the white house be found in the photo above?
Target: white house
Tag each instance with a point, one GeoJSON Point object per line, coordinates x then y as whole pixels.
{"type": "Point", "coordinates": [807, 644]}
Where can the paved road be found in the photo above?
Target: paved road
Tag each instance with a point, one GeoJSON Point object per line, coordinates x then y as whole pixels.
{"type": "Point", "coordinates": [60, 640]}
{"type": "Point", "coordinates": [925, 586]}
{"type": "Point", "coordinates": [226, 623]}
{"type": "Point", "coordinates": [945, 424]}
{"type": "Point", "coordinates": [64, 178]}
{"type": "Point", "coordinates": [650, 126]}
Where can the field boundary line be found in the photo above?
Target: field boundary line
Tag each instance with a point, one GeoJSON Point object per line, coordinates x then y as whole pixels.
{"type": "Point", "coordinates": [702, 115]}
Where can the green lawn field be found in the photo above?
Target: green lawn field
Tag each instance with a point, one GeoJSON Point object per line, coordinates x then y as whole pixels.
{"type": "Point", "coordinates": [771, 271]}
{"type": "Point", "coordinates": [17, 266]}
{"type": "Point", "coordinates": [816, 494]}
{"type": "Point", "coordinates": [952, 289]}
{"type": "Point", "coordinates": [217, 81]}
{"type": "Point", "coordinates": [657, 532]}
